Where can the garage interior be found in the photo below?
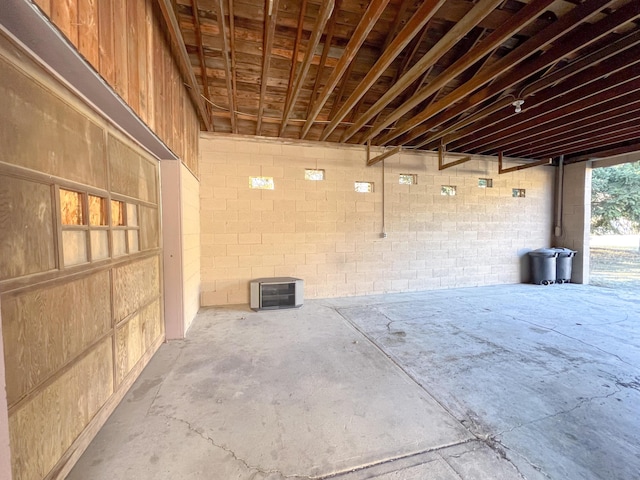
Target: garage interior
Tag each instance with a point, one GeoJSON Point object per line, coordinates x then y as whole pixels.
{"type": "Point", "coordinates": [401, 157]}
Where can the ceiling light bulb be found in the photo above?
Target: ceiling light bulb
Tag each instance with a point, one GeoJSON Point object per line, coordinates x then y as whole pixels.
{"type": "Point", "coordinates": [518, 105]}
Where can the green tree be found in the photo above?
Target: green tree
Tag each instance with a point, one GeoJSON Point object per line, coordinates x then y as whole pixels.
{"type": "Point", "coordinates": [615, 199]}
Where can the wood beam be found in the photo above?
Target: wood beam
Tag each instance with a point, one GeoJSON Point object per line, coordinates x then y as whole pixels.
{"type": "Point", "coordinates": [224, 33]}
{"type": "Point", "coordinates": [501, 170]}
{"type": "Point", "coordinates": [323, 58]}
{"type": "Point", "coordinates": [479, 11]}
{"type": "Point", "coordinates": [520, 20]}
{"type": "Point", "coordinates": [203, 63]}
{"type": "Point", "coordinates": [583, 142]}
{"type": "Point", "coordinates": [294, 90]}
{"type": "Point", "coordinates": [575, 100]}
{"type": "Point", "coordinates": [368, 20]}
{"type": "Point", "coordinates": [577, 40]}
{"type": "Point", "coordinates": [296, 48]}
{"type": "Point", "coordinates": [379, 158]}
{"type": "Point", "coordinates": [605, 153]}
{"type": "Point", "coordinates": [270, 20]}
{"type": "Point", "coordinates": [565, 134]}
{"type": "Point", "coordinates": [175, 37]}
{"type": "Point", "coordinates": [444, 166]}
{"type": "Point", "coordinates": [232, 46]}
{"type": "Point", "coordinates": [417, 24]}
{"type": "Point", "coordinates": [605, 65]}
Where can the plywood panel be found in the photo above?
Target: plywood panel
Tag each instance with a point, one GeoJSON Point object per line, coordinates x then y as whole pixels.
{"type": "Point", "coordinates": [106, 41]}
{"type": "Point", "coordinates": [44, 329]}
{"type": "Point", "coordinates": [135, 337]}
{"type": "Point", "coordinates": [26, 228]}
{"type": "Point", "coordinates": [41, 132]}
{"type": "Point", "coordinates": [149, 228]}
{"type": "Point", "coordinates": [135, 285]}
{"type": "Point", "coordinates": [131, 173]}
{"type": "Point", "coordinates": [44, 428]}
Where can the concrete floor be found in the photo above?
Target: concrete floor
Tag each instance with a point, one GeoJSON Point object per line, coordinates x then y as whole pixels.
{"type": "Point", "coordinates": [505, 382]}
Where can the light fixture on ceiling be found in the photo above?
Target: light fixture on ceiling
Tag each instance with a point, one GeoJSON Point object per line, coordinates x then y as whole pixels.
{"type": "Point", "coordinates": [270, 7]}
{"type": "Point", "coordinates": [518, 104]}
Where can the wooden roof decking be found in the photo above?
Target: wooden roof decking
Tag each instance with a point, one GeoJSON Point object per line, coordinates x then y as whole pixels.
{"type": "Point", "coordinates": [419, 74]}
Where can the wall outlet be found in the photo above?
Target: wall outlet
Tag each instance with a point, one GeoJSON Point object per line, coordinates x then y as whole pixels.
{"type": "Point", "coordinates": [383, 235]}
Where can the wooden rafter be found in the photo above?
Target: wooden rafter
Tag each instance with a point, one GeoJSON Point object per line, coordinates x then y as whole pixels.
{"type": "Point", "coordinates": [582, 13]}
{"type": "Point", "coordinates": [397, 45]}
{"type": "Point", "coordinates": [294, 89]}
{"type": "Point", "coordinates": [226, 49]}
{"type": "Point", "coordinates": [479, 11]}
{"type": "Point", "coordinates": [605, 152]}
{"type": "Point", "coordinates": [232, 46]}
{"type": "Point", "coordinates": [323, 57]}
{"type": "Point", "coordinates": [201, 57]}
{"type": "Point", "coordinates": [369, 19]}
{"type": "Point", "coordinates": [296, 48]}
{"type": "Point", "coordinates": [497, 125]}
{"type": "Point", "coordinates": [520, 20]}
{"type": "Point", "coordinates": [176, 40]}
{"type": "Point", "coordinates": [502, 170]}
{"type": "Point", "coordinates": [270, 19]}
{"type": "Point", "coordinates": [584, 92]}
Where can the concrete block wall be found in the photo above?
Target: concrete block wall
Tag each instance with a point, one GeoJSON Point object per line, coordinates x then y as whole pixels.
{"type": "Point", "coordinates": [329, 235]}
{"type": "Point", "coordinates": [190, 206]}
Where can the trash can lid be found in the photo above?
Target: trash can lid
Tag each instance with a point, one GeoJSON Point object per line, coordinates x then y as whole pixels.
{"type": "Point", "coordinates": [564, 252]}
{"type": "Point", "coordinates": [544, 252]}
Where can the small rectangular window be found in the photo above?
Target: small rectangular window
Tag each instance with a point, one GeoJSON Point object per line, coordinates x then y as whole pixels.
{"type": "Point", "coordinates": [364, 187]}
{"type": "Point", "coordinates": [313, 174]}
{"type": "Point", "coordinates": [518, 192]}
{"type": "Point", "coordinates": [485, 182]}
{"type": "Point", "coordinates": [408, 179]}
{"type": "Point", "coordinates": [448, 190]}
{"type": "Point", "coordinates": [71, 207]}
{"type": "Point", "coordinates": [97, 211]}
{"type": "Point", "coordinates": [117, 213]}
{"type": "Point", "coordinates": [263, 183]}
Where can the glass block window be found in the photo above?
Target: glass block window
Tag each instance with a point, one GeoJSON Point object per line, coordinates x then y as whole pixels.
{"type": "Point", "coordinates": [518, 192]}
{"type": "Point", "coordinates": [262, 183]}
{"type": "Point", "coordinates": [485, 182]}
{"type": "Point", "coordinates": [408, 179]}
{"type": "Point", "coordinates": [448, 190]}
{"type": "Point", "coordinates": [313, 174]}
{"type": "Point", "coordinates": [71, 207]}
{"type": "Point", "coordinates": [363, 187]}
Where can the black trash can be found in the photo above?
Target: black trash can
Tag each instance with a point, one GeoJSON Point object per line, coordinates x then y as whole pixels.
{"type": "Point", "coordinates": [543, 266]}
{"type": "Point", "coordinates": [564, 264]}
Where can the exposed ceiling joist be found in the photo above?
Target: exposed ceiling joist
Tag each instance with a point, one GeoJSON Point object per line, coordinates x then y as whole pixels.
{"type": "Point", "coordinates": [295, 88]}
{"type": "Point", "coordinates": [473, 18]}
{"type": "Point", "coordinates": [224, 33]}
{"type": "Point", "coordinates": [270, 18]}
{"type": "Point", "coordinates": [369, 19]}
{"type": "Point", "coordinates": [397, 45]}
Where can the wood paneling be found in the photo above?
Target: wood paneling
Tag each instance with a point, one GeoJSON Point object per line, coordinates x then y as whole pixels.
{"type": "Point", "coordinates": [59, 327]}
{"type": "Point", "coordinates": [149, 228]}
{"type": "Point", "coordinates": [26, 222]}
{"type": "Point", "coordinates": [124, 41]}
{"type": "Point", "coordinates": [131, 174]}
{"type": "Point", "coordinates": [43, 133]}
{"type": "Point", "coordinates": [43, 429]}
{"type": "Point", "coordinates": [135, 337]}
{"type": "Point", "coordinates": [134, 286]}
{"type": "Point", "coordinates": [45, 329]}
